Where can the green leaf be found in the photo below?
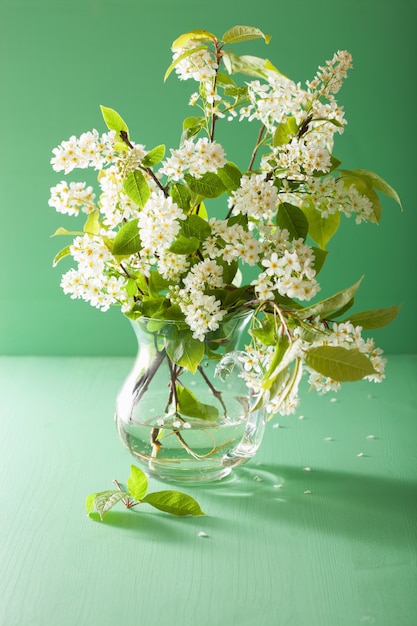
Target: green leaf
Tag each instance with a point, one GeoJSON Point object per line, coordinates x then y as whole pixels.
{"type": "Point", "coordinates": [137, 188]}
{"type": "Point", "coordinates": [209, 185]}
{"type": "Point", "coordinates": [244, 33]}
{"type": "Point", "coordinates": [224, 80]}
{"type": "Point", "coordinates": [376, 205]}
{"type": "Point", "coordinates": [137, 483]}
{"type": "Point", "coordinates": [191, 407]}
{"type": "Point", "coordinates": [375, 318]}
{"type": "Point", "coordinates": [329, 305]}
{"type": "Point", "coordinates": [185, 351]}
{"type": "Point", "coordinates": [173, 502]}
{"type": "Point", "coordinates": [113, 120]}
{"type": "Point", "coordinates": [182, 56]}
{"type": "Point", "coordinates": [338, 312]}
{"type": "Point", "coordinates": [105, 500]}
{"type": "Point", "coordinates": [376, 182]}
{"type": "Point", "coordinates": [127, 240]}
{"type": "Point", "coordinates": [61, 254]}
{"type": "Point", "coordinates": [157, 282]}
{"type": "Point", "coordinates": [192, 126]}
{"type": "Point", "coordinates": [64, 231]}
{"type": "Point", "coordinates": [131, 287]}
{"type": "Point", "coordinates": [181, 195]}
{"type": "Point", "coordinates": [285, 131]}
{"type": "Point", "coordinates": [277, 364]}
{"type": "Point", "coordinates": [184, 245]}
{"type": "Point", "coordinates": [154, 156]}
{"type": "Point", "coordinates": [150, 307]}
{"type": "Point", "coordinates": [92, 224]}
{"type": "Point", "coordinates": [320, 256]}
{"type": "Point", "coordinates": [339, 364]}
{"type": "Point", "coordinates": [247, 64]}
{"type": "Point", "coordinates": [321, 229]}
{"type": "Point", "coordinates": [229, 270]}
{"type": "Point", "coordinates": [266, 332]}
{"type": "Point", "coordinates": [89, 503]}
{"type": "Point", "coordinates": [293, 219]}
{"type": "Point", "coordinates": [195, 226]}
{"type": "Point", "coordinates": [192, 35]}
{"type": "Point", "coordinates": [230, 176]}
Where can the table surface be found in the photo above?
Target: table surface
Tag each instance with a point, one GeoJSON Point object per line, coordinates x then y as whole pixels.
{"type": "Point", "coordinates": [334, 545]}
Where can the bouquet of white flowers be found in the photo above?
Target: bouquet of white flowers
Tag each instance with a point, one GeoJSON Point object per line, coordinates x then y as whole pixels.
{"type": "Point", "coordinates": [150, 244]}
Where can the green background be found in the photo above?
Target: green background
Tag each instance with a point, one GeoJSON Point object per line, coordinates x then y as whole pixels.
{"type": "Point", "coordinates": [60, 60]}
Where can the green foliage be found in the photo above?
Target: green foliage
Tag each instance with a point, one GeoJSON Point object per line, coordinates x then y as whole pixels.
{"type": "Point", "coordinates": [173, 502]}
{"type": "Point", "coordinates": [326, 308]}
{"type": "Point", "coordinates": [266, 331]}
{"type": "Point", "coordinates": [285, 131]}
{"type": "Point", "coordinates": [137, 188]}
{"type": "Point", "coordinates": [184, 245]}
{"type": "Point", "coordinates": [321, 229]}
{"type": "Point", "coordinates": [181, 195]}
{"type": "Point", "coordinates": [372, 181]}
{"type": "Point", "coordinates": [113, 120]}
{"type": "Point", "coordinates": [154, 156]}
{"type": "Point", "coordinates": [190, 406]}
{"type": "Point", "coordinates": [191, 36]}
{"type": "Point", "coordinates": [185, 351]}
{"type": "Point", "coordinates": [230, 176]}
{"type": "Point", "coordinates": [195, 226]}
{"type": "Point", "coordinates": [376, 318]}
{"type": "Point", "coordinates": [137, 483]}
{"type": "Point", "coordinates": [339, 364]}
{"type": "Point", "coordinates": [61, 255]}
{"type": "Point", "coordinates": [192, 126]}
{"type": "Point", "coordinates": [243, 33]}
{"type": "Point", "coordinates": [127, 240]}
{"type": "Point", "coordinates": [247, 64]}
{"type": "Point", "coordinates": [209, 185]}
{"type": "Point", "coordinates": [293, 219]}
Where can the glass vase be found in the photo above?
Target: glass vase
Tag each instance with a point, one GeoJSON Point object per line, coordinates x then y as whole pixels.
{"type": "Point", "coordinates": [186, 422]}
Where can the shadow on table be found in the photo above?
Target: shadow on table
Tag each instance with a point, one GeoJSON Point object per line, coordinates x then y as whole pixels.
{"type": "Point", "coordinates": [366, 508]}
{"type": "Point", "coordinates": [148, 523]}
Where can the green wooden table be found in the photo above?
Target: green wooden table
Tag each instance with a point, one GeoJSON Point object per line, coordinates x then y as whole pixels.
{"type": "Point", "coordinates": [319, 529]}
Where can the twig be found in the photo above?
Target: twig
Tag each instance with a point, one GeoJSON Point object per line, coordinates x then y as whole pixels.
{"type": "Point", "coordinates": [216, 393]}
{"type": "Point", "coordinates": [256, 148]}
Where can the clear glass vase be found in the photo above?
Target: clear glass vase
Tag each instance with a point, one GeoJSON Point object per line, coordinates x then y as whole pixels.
{"type": "Point", "coordinates": [184, 426]}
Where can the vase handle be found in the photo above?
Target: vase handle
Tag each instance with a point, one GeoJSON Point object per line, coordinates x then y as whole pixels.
{"type": "Point", "coordinates": [255, 423]}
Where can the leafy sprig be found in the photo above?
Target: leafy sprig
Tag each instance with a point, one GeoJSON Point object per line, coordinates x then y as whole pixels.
{"type": "Point", "coordinates": [135, 493]}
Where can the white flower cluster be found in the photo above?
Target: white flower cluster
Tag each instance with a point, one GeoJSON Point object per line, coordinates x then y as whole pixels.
{"type": "Point", "coordinates": [256, 197]}
{"type": "Point", "coordinates": [289, 270]}
{"type": "Point", "coordinates": [272, 103]}
{"type": "Point", "coordinates": [159, 223]}
{"type": "Point", "coordinates": [88, 150]}
{"type": "Point", "coordinates": [72, 198]}
{"type": "Point", "coordinates": [197, 158]}
{"type": "Point", "coordinates": [202, 312]}
{"type": "Point", "coordinates": [90, 281]}
{"type": "Point", "coordinates": [232, 243]}
{"type": "Point", "coordinates": [300, 159]}
{"type": "Point", "coordinates": [330, 195]}
{"type": "Point", "coordinates": [329, 78]}
{"type": "Point", "coordinates": [200, 65]}
{"type": "Point", "coordinates": [115, 204]}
